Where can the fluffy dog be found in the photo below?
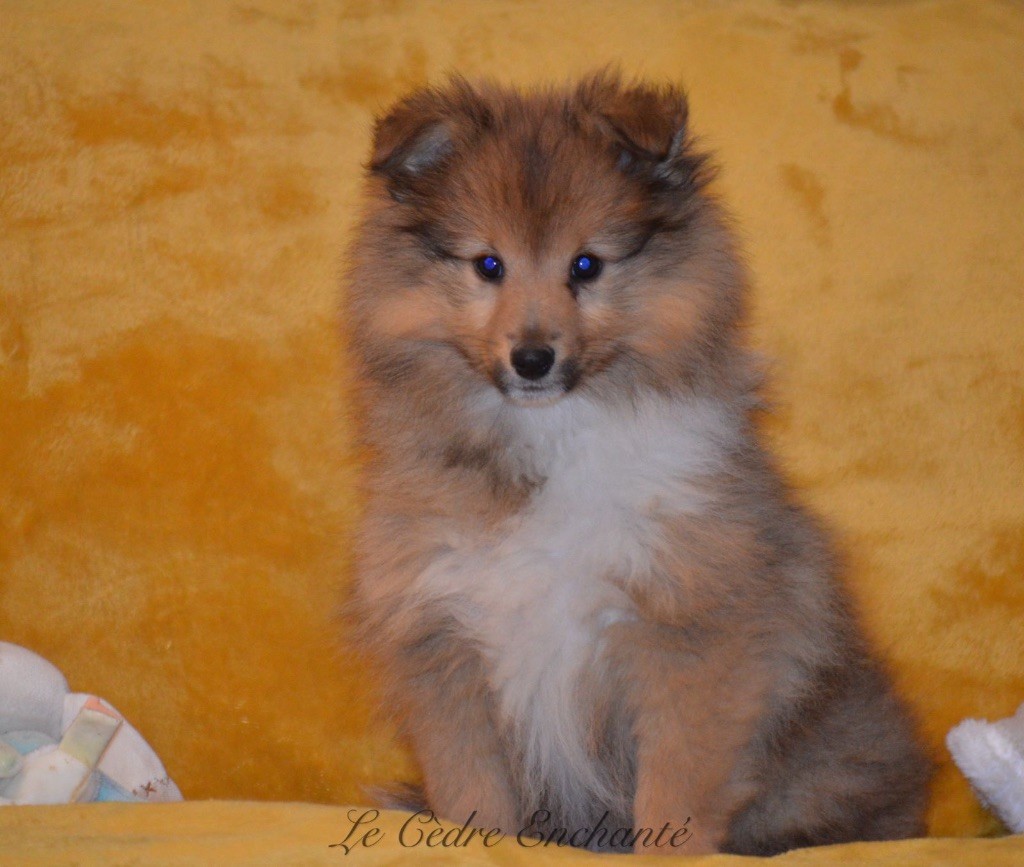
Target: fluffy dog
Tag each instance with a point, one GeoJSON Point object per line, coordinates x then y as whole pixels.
{"type": "Point", "coordinates": [590, 589]}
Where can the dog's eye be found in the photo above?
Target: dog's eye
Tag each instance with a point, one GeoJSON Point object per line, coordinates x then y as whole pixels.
{"type": "Point", "coordinates": [585, 267]}
{"type": "Point", "coordinates": [489, 267]}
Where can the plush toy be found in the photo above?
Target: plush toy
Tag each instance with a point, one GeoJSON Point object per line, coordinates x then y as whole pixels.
{"type": "Point", "coordinates": [991, 756]}
{"type": "Point", "coordinates": [57, 746]}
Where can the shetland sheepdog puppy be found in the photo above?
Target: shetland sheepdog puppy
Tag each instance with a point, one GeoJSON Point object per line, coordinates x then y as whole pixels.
{"type": "Point", "coordinates": [593, 597]}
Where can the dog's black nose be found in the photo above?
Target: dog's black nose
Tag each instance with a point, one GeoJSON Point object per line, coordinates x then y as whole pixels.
{"type": "Point", "coordinates": [532, 361]}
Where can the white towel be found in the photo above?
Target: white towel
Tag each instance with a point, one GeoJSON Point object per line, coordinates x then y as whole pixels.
{"type": "Point", "coordinates": [991, 756]}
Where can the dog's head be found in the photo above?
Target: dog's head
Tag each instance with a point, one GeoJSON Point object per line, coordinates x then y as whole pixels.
{"type": "Point", "coordinates": [543, 242]}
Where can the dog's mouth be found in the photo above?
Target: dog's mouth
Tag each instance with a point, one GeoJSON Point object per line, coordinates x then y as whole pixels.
{"type": "Point", "coordinates": [533, 395]}
{"type": "Point", "coordinates": [537, 392]}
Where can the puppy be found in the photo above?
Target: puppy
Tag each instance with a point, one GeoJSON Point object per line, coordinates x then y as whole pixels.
{"type": "Point", "coordinates": [593, 595]}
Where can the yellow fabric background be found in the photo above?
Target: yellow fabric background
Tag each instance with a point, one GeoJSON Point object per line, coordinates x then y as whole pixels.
{"type": "Point", "coordinates": [177, 182]}
{"type": "Point", "coordinates": [228, 833]}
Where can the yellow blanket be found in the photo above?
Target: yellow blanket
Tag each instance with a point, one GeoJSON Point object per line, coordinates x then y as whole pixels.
{"type": "Point", "coordinates": [177, 182]}
{"type": "Point", "coordinates": [234, 832]}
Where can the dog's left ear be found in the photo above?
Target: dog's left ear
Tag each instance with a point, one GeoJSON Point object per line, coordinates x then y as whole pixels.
{"type": "Point", "coordinates": [648, 124]}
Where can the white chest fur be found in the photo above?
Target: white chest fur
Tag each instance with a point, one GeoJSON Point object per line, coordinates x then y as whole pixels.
{"type": "Point", "coordinates": [538, 597]}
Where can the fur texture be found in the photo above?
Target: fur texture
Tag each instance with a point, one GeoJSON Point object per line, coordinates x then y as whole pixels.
{"type": "Point", "coordinates": [590, 588]}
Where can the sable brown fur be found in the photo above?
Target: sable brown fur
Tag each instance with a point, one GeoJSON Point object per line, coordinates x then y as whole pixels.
{"type": "Point", "coordinates": [704, 662]}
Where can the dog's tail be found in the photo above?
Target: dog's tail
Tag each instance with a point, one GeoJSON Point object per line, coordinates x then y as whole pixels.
{"type": "Point", "coordinates": [398, 796]}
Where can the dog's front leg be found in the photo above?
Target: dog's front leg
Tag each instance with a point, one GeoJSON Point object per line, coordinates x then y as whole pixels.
{"type": "Point", "coordinates": [695, 705]}
{"type": "Point", "coordinates": [449, 718]}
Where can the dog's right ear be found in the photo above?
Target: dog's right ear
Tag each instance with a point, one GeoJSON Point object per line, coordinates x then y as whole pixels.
{"type": "Point", "coordinates": [418, 135]}
{"type": "Point", "coordinates": [411, 138]}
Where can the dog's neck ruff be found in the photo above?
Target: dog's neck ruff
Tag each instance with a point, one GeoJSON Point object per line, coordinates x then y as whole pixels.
{"type": "Point", "coordinates": [537, 597]}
